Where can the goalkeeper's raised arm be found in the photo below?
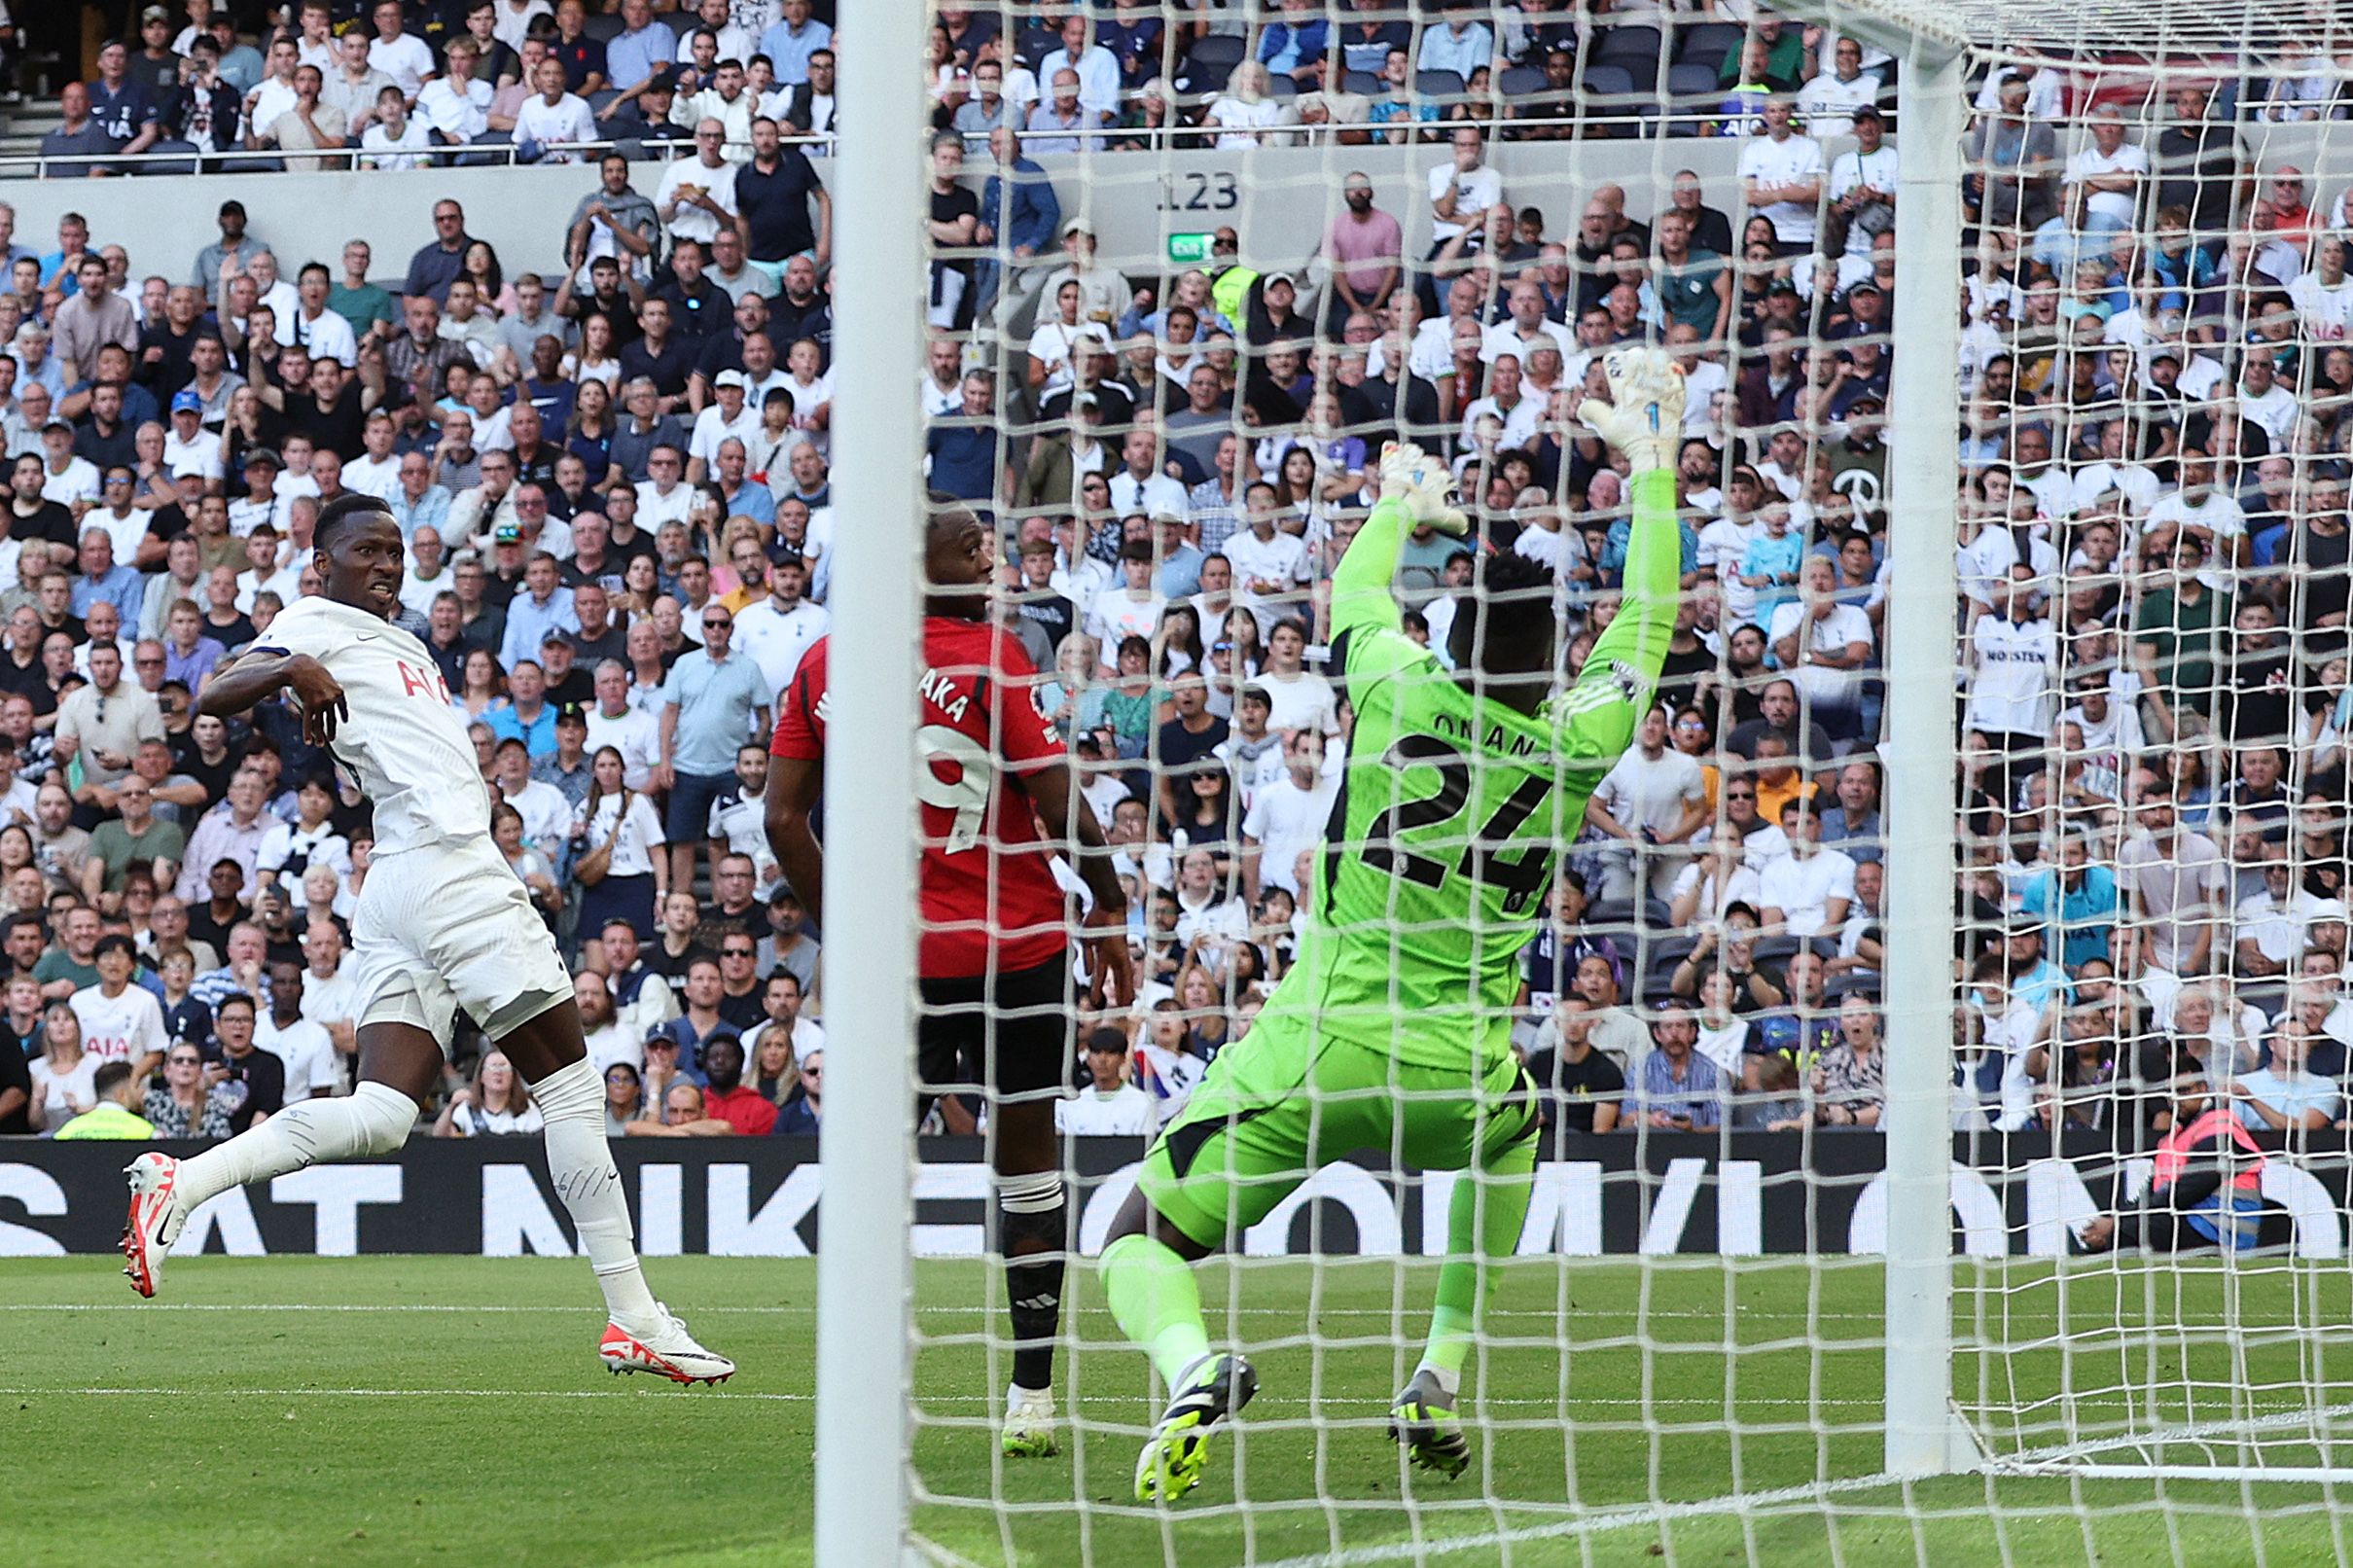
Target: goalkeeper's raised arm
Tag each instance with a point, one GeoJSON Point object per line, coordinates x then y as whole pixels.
{"type": "Point", "coordinates": [1644, 421]}
{"type": "Point", "coordinates": [1415, 490]}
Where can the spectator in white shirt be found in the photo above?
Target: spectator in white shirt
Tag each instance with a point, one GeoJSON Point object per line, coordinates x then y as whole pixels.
{"type": "Point", "coordinates": [2110, 171]}
{"type": "Point", "coordinates": [1463, 190]}
{"type": "Point", "coordinates": [1824, 645]}
{"type": "Point", "coordinates": [1243, 113]}
{"type": "Point", "coordinates": [1830, 99]}
{"type": "Point", "coordinates": [453, 103]}
{"type": "Point", "coordinates": [1299, 697]}
{"type": "Point", "coordinates": [1287, 816]}
{"type": "Point", "coordinates": [1651, 802]}
{"type": "Point", "coordinates": [1109, 1106]}
{"type": "Point", "coordinates": [307, 1049]}
{"type": "Point", "coordinates": [551, 114]}
{"type": "Point", "coordinates": [394, 140]}
{"type": "Point", "coordinates": [1781, 176]}
{"type": "Point", "coordinates": [1269, 565]}
{"type": "Point", "coordinates": [1097, 68]}
{"type": "Point", "coordinates": [1133, 609]}
{"type": "Point", "coordinates": [399, 54]}
{"type": "Point", "coordinates": [1808, 891]}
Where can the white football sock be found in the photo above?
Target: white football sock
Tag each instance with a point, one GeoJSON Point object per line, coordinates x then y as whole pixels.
{"type": "Point", "coordinates": [572, 1103]}
{"type": "Point", "coordinates": [374, 1121]}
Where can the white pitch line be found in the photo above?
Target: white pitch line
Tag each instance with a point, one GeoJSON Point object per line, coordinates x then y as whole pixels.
{"type": "Point", "coordinates": [381, 1393]}
{"type": "Point", "coordinates": [1634, 1516]}
{"type": "Point", "coordinates": [1574, 1313]}
{"type": "Point", "coordinates": [1600, 1520]}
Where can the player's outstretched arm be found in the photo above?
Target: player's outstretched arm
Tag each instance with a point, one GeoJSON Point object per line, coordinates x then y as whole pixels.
{"type": "Point", "coordinates": [1415, 489]}
{"type": "Point", "coordinates": [1646, 423]}
{"type": "Point", "coordinates": [256, 677]}
{"type": "Point", "coordinates": [794, 786]}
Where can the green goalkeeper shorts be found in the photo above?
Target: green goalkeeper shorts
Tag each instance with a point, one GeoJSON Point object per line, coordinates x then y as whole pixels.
{"type": "Point", "coordinates": [1280, 1104]}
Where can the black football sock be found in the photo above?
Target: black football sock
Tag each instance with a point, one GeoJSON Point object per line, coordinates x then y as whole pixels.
{"type": "Point", "coordinates": [1032, 1219]}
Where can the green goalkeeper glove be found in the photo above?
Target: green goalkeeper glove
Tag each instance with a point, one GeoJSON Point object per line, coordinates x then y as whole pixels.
{"type": "Point", "coordinates": [1644, 417]}
{"type": "Point", "coordinates": [1422, 485]}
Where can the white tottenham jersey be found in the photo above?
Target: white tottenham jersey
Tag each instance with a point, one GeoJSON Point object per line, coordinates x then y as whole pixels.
{"type": "Point", "coordinates": [404, 742]}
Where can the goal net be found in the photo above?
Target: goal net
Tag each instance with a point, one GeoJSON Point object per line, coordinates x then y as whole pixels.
{"type": "Point", "coordinates": [1938, 1020]}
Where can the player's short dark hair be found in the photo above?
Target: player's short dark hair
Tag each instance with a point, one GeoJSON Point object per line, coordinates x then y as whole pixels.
{"type": "Point", "coordinates": [944, 511]}
{"type": "Point", "coordinates": [110, 1076]}
{"type": "Point", "coordinates": [1109, 1041]}
{"type": "Point", "coordinates": [28, 917]}
{"type": "Point", "coordinates": [117, 942]}
{"type": "Point", "coordinates": [235, 998]}
{"type": "Point", "coordinates": [352, 504]}
{"type": "Point", "coordinates": [1509, 623]}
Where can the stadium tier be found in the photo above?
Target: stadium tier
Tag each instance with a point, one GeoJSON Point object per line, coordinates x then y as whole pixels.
{"type": "Point", "coordinates": [1908, 781]}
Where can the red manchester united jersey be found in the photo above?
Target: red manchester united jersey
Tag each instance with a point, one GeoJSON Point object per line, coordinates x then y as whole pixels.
{"type": "Point", "coordinates": [988, 881]}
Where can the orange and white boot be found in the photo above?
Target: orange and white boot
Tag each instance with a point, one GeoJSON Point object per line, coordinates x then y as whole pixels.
{"type": "Point", "coordinates": [156, 1216]}
{"type": "Point", "coordinates": [661, 1345]}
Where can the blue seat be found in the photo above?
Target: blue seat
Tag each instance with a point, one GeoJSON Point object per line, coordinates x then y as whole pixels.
{"type": "Point", "coordinates": [1603, 82]}
{"type": "Point", "coordinates": [1626, 43]}
{"type": "Point", "coordinates": [1208, 64]}
{"type": "Point", "coordinates": [1707, 43]}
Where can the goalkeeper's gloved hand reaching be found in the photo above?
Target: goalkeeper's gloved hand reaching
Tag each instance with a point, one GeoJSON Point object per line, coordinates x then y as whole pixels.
{"type": "Point", "coordinates": [1423, 486]}
{"type": "Point", "coordinates": [1644, 417]}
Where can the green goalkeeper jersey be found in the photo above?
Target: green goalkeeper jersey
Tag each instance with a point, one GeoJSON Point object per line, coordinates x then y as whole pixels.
{"type": "Point", "coordinates": [1455, 807]}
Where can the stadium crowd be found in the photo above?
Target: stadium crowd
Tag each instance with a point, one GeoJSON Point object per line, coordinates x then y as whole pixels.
{"type": "Point", "coordinates": [613, 479]}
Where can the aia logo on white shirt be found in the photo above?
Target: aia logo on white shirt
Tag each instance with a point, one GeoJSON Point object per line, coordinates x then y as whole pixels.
{"type": "Point", "coordinates": [427, 681]}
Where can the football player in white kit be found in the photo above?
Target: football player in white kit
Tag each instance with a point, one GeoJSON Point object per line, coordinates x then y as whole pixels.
{"type": "Point", "coordinates": [442, 923]}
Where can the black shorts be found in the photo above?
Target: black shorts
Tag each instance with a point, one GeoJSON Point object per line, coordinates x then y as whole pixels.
{"type": "Point", "coordinates": [1010, 1034]}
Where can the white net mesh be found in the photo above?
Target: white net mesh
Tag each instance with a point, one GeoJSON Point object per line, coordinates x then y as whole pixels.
{"type": "Point", "coordinates": [2148, 1036]}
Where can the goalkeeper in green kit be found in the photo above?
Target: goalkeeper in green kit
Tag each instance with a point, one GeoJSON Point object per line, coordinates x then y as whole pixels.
{"type": "Point", "coordinates": [1392, 1030]}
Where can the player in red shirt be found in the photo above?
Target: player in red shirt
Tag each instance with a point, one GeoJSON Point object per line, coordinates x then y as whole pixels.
{"type": "Point", "coordinates": [998, 802]}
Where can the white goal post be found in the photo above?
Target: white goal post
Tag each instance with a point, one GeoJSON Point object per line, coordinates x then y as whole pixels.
{"type": "Point", "coordinates": [2020, 1354]}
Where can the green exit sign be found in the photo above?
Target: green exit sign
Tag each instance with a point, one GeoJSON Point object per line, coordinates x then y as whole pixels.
{"type": "Point", "coordinates": [1188, 250]}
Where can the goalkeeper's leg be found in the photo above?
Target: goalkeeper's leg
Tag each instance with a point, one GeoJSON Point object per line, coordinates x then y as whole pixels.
{"type": "Point", "coordinates": [1243, 1144]}
{"type": "Point", "coordinates": [1483, 1219]}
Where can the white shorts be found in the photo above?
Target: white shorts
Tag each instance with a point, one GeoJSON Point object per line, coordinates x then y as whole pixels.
{"type": "Point", "coordinates": [450, 926]}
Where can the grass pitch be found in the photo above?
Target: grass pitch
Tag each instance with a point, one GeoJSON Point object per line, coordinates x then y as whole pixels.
{"type": "Point", "coordinates": [393, 1410]}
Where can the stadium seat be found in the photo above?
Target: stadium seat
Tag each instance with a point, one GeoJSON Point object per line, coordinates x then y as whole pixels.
{"type": "Point", "coordinates": [1281, 86]}
{"type": "Point", "coordinates": [1208, 64]}
{"type": "Point", "coordinates": [1609, 89]}
{"type": "Point", "coordinates": [1442, 85]}
{"type": "Point", "coordinates": [1866, 980]}
{"type": "Point", "coordinates": [603, 27]}
{"type": "Point", "coordinates": [1610, 913]}
{"type": "Point", "coordinates": [1521, 81]}
{"type": "Point", "coordinates": [1364, 82]}
{"type": "Point", "coordinates": [1620, 43]}
{"type": "Point", "coordinates": [1693, 98]}
{"type": "Point", "coordinates": [1707, 43]}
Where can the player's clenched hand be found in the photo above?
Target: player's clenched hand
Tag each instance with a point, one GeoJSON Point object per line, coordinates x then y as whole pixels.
{"type": "Point", "coordinates": [321, 696]}
{"type": "Point", "coordinates": [1423, 486]}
